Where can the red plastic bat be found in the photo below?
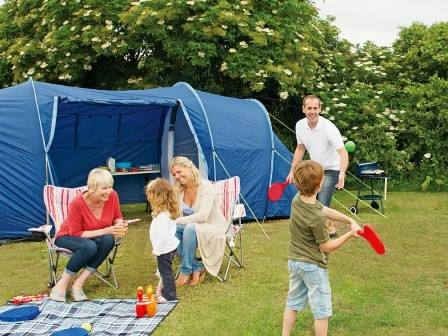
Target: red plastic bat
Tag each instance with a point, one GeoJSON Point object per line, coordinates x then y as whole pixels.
{"type": "Point", "coordinates": [369, 234]}
{"type": "Point", "coordinates": [276, 190]}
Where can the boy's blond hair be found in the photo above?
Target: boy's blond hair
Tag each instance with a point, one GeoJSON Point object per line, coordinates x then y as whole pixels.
{"type": "Point", "coordinates": [308, 176]}
{"type": "Point", "coordinates": [160, 194]}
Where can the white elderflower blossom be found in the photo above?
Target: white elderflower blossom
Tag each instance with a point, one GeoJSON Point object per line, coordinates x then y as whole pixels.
{"type": "Point", "coordinates": [30, 71]}
{"type": "Point", "coordinates": [287, 72]}
{"type": "Point", "coordinates": [105, 45]}
{"type": "Point", "coordinates": [244, 3]}
{"type": "Point", "coordinates": [224, 26]}
{"type": "Point", "coordinates": [232, 50]}
{"type": "Point", "coordinates": [268, 31]}
{"type": "Point", "coordinates": [86, 28]}
{"type": "Point", "coordinates": [161, 22]}
{"type": "Point", "coordinates": [201, 54]}
{"type": "Point", "coordinates": [427, 155]}
{"type": "Point", "coordinates": [43, 65]}
{"type": "Point", "coordinates": [243, 44]}
{"type": "Point", "coordinates": [65, 76]}
{"type": "Point", "coordinates": [95, 39]}
{"type": "Point", "coordinates": [224, 66]}
{"type": "Point", "coordinates": [284, 95]}
{"type": "Point", "coordinates": [72, 28]}
{"type": "Point", "coordinates": [191, 3]}
{"type": "Point", "coordinates": [87, 67]}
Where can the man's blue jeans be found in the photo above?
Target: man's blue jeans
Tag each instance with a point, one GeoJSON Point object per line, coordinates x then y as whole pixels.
{"type": "Point", "coordinates": [186, 233]}
{"type": "Point", "coordinates": [87, 253]}
{"type": "Point", "coordinates": [331, 178]}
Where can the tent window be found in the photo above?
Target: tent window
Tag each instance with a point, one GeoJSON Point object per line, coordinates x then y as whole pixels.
{"type": "Point", "coordinates": [96, 131]}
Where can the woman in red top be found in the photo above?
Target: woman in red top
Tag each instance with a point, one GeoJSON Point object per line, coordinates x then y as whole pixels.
{"type": "Point", "coordinates": [94, 218]}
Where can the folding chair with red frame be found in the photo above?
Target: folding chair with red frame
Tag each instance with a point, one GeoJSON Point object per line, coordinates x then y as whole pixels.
{"type": "Point", "coordinates": [229, 191]}
{"type": "Point", "coordinates": [57, 200]}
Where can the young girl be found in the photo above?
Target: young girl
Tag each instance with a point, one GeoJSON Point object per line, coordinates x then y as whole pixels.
{"type": "Point", "coordinates": [165, 209]}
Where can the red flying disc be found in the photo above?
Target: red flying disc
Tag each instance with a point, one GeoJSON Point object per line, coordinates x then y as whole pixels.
{"type": "Point", "coordinates": [276, 190]}
{"type": "Point", "coordinates": [369, 234]}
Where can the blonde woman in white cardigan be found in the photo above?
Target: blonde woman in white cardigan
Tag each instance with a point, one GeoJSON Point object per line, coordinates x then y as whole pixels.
{"type": "Point", "coordinates": [202, 226]}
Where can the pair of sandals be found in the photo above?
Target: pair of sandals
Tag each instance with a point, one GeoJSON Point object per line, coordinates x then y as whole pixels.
{"type": "Point", "coordinates": [78, 295]}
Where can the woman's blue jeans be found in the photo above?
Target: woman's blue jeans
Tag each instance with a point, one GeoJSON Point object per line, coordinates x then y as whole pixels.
{"type": "Point", "coordinates": [186, 233]}
{"type": "Point", "coordinates": [87, 253]}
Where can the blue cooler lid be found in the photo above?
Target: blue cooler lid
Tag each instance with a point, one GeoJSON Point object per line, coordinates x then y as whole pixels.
{"type": "Point", "coordinates": [20, 314]}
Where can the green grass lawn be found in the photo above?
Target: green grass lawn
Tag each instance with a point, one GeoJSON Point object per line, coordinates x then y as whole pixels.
{"type": "Point", "coordinates": [404, 292]}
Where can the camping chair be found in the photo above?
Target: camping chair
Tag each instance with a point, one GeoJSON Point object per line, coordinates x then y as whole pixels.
{"type": "Point", "coordinates": [229, 191]}
{"type": "Point", "coordinates": [57, 200]}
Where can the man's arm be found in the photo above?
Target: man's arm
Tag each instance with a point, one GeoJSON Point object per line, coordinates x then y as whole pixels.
{"type": "Point", "coordinates": [298, 155]}
{"type": "Point", "coordinates": [344, 164]}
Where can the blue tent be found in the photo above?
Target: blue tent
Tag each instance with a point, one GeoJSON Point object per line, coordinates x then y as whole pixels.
{"type": "Point", "coordinates": [57, 134]}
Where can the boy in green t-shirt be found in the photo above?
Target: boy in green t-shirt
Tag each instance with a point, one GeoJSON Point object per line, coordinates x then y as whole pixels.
{"type": "Point", "coordinates": [308, 250]}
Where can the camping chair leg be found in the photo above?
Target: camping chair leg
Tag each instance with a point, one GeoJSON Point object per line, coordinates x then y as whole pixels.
{"type": "Point", "coordinates": [101, 277]}
{"type": "Point", "coordinates": [110, 270]}
{"type": "Point", "coordinates": [52, 269]}
{"type": "Point", "coordinates": [110, 261]}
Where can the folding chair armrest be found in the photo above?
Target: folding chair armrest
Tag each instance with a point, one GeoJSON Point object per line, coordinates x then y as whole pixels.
{"type": "Point", "coordinates": [239, 211]}
{"type": "Point", "coordinates": [43, 229]}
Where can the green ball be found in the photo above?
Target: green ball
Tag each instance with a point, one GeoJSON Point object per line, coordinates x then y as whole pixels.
{"type": "Point", "coordinates": [350, 146]}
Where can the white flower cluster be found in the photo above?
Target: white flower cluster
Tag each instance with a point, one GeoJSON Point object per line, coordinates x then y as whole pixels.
{"type": "Point", "coordinates": [284, 95]}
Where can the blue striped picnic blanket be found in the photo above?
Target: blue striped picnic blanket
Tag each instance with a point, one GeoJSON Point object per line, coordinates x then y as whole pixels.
{"type": "Point", "coordinates": [107, 317]}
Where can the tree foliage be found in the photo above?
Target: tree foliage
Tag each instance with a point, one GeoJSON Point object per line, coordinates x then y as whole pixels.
{"type": "Point", "coordinates": [391, 101]}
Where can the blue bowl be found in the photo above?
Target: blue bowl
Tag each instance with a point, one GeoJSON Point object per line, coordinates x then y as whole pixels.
{"type": "Point", "coordinates": [123, 165]}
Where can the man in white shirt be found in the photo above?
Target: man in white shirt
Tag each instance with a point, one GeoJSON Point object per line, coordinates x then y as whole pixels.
{"type": "Point", "coordinates": [323, 141]}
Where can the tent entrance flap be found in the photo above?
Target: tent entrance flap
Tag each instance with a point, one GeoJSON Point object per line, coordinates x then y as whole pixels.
{"type": "Point", "coordinates": [86, 135]}
{"type": "Point", "coordinates": [179, 140]}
